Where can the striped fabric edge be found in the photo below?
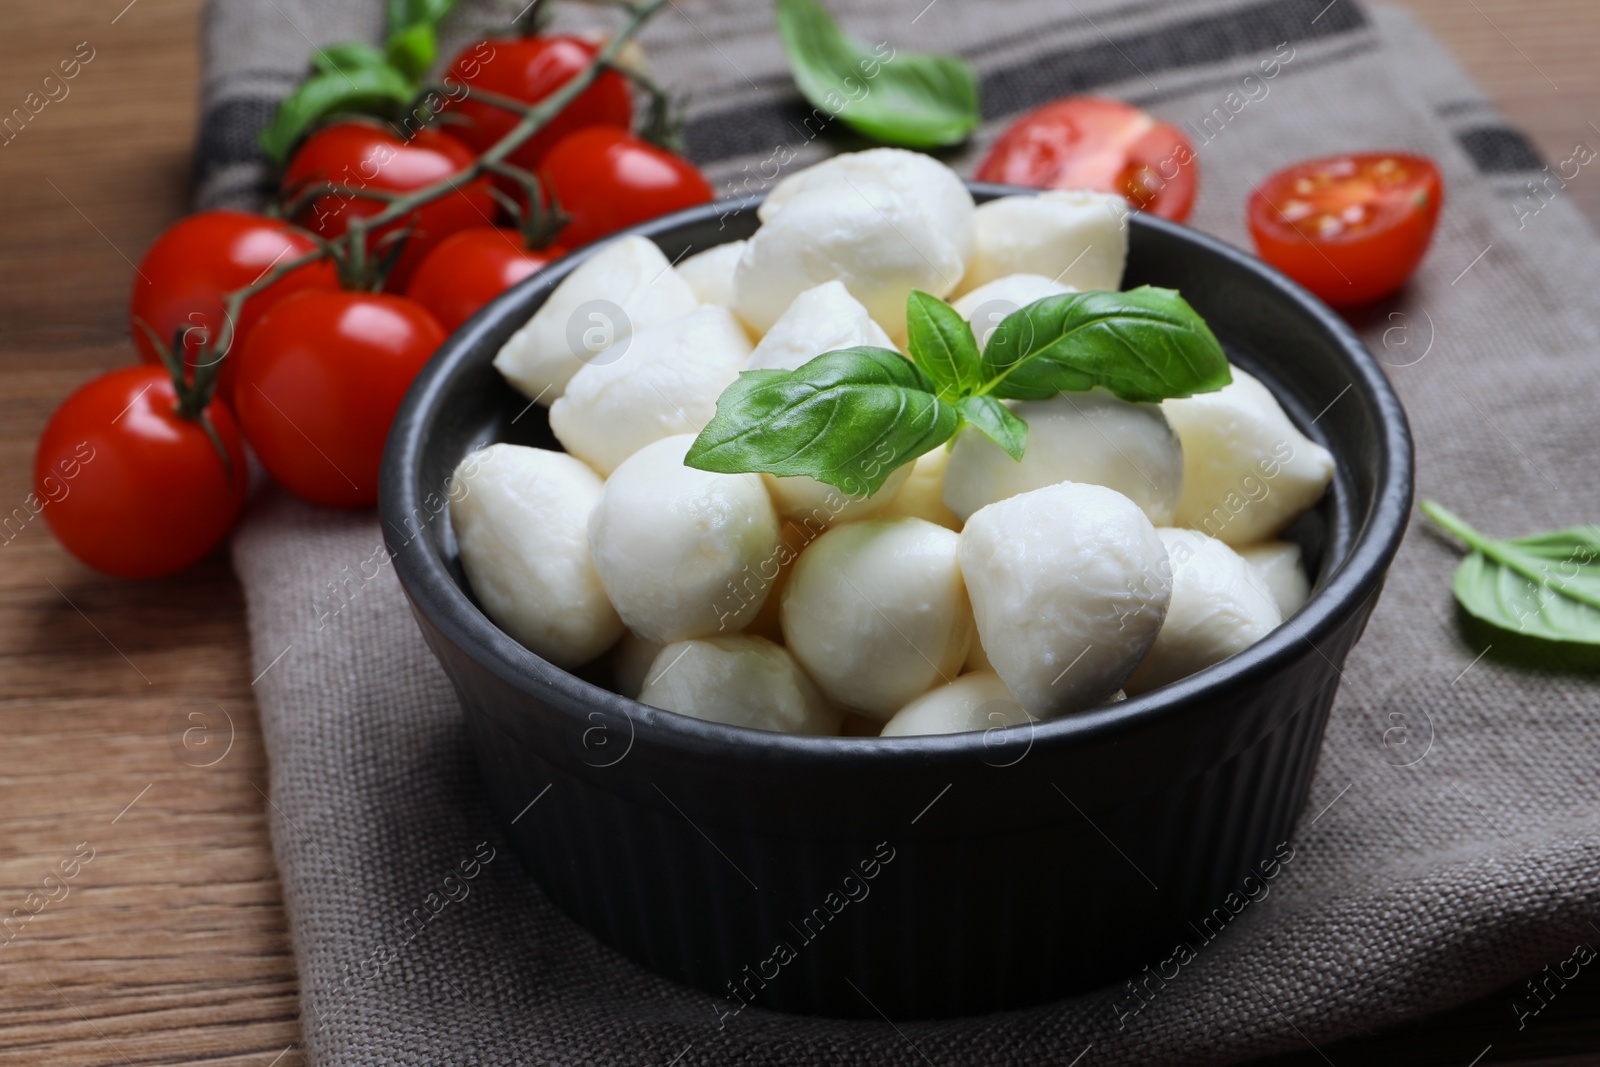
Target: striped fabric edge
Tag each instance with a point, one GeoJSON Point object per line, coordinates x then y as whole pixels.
{"type": "Point", "coordinates": [1123, 50]}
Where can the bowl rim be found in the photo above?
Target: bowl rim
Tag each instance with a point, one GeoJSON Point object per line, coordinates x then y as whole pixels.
{"type": "Point", "coordinates": [434, 593]}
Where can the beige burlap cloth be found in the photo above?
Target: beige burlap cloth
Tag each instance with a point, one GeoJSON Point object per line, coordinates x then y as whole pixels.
{"type": "Point", "coordinates": [1450, 843]}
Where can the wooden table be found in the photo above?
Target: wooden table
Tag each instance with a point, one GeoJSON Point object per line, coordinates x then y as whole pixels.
{"type": "Point", "coordinates": [170, 944]}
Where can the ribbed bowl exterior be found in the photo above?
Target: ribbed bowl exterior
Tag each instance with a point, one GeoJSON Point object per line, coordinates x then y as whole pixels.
{"type": "Point", "coordinates": [920, 876]}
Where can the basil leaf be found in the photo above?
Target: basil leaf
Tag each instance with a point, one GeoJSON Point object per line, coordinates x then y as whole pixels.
{"type": "Point", "coordinates": [906, 98]}
{"type": "Point", "coordinates": [996, 422]}
{"type": "Point", "coordinates": [847, 418]}
{"type": "Point", "coordinates": [942, 344]}
{"type": "Point", "coordinates": [1546, 586]}
{"type": "Point", "coordinates": [412, 50]}
{"type": "Point", "coordinates": [1146, 344]}
{"type": "Point", "coordinates": [375, 89]}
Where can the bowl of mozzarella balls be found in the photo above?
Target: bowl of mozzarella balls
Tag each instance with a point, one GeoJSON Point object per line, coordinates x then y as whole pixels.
{"type": "Point", "coordinates": [893, 595]}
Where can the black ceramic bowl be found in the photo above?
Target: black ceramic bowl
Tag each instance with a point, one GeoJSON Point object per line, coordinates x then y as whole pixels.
{"type": "Point", "coordinates": [913, 876]}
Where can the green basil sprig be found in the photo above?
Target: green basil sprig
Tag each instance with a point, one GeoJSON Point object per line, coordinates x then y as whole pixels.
{"type": "Point", "coordinates": [919, 100]}
{"type": "Point", "coordinates": [851, 417]}
{"type": "Point", "coordinates": [1546, 586]}
{"type": "Point", "coordinates": [359, 78]}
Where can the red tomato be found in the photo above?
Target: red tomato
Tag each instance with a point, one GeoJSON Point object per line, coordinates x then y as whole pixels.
{"type": "Point", "coordinates": [530, 69]}
{"type": "Point", "coordinates": [130, 487]}
{"type": "Point", "coordinates": [472, 267]}
{"type": "Point", "coordinates": [1351, 229]}
{"type": "Point", "coordinates": [196, 261]}
{"type": "Point", "coordinates": [321, 377]}
{"type": "Point", "coordinates": [1089, 142]}
{"type": "Point", "coordinates": [607, 179]}
{"type": "Point", "coordinates": [361, 156]}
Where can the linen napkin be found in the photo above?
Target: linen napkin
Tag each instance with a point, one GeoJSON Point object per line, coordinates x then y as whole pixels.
{"type": "Point", "coordinates": [1449, 846]}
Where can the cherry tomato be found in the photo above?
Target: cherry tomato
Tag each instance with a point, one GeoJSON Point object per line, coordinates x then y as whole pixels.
{"type": "Point", "coordinates": [1089, 142]}
{"type": "Point", "coordinates": [197, 261]}
{"type": "Point", "coordinates": [472, 267]}
{"type": "Point", "coordinates": [530, 69]}
{"type": "Point", "coordinates": [357, 155]}
{"type": "Point", "coordinates": [131, 488]}
{"type": "Point", "coordinates": [607, 179]}
{"type": "Point", "coordinates": [321, 378]}
{"type": "Point", "coordinates": [1351, 228]}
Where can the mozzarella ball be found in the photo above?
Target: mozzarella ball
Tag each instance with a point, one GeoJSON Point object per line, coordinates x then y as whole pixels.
{"type": "Point", "coordinates": [667, 382]}
{"type": "Point", "coordinates": [876, 613]}
{"type": "Point", "coordinates": [800, 498]}
{"type": "Point", "coordinates": [1069, 585]}
{"type": "Point", "coordinates": [710, 273]}
{"type": "Point", "coordinates": [1090, 437]}
{"type": "Point", "coordinates": [971, 702]}
{"type": "Point", "coordinates": [987, 306]}
{"type": "Point", "coordinates": [934, 187]}
{"type": "Point", "coordinates": [1076, 239]}
{"type": "Point", "coordinates": [521, 519]}
{"type": "Point", "coordinates": [626, 286]}
{"type": "Point", "coordinates": [630, 663]}
{"type": "Point", "coordinates": [673, 544]}
{"type": "Point", "coordinates": [738, 680]}
{"type": "Point", "coordinates": [1247, 471]}
{"type": "Point", "coordinates": [869, 236]}
{"type": "Point", "coordinates": [1282, 571]}
{"type": "Point", "coordinates": [1219, 606]}
{"type": "Point", "coordinates": [922, 494]}
{"type": "Point", "coordinates": [821, 319]}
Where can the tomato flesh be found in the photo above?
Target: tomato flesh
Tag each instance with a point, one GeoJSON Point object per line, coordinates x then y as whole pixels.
{"type": "Point", "coordinates": [359, 156]}
{"type": "Point", "coordinates": [1352, 229]}
{"type": "Point", "coordinates": [606, 179]}
{"type": "Point", "coordinates": [180, 284]}
{"type": "Point", "coordinates": [1090, 142]}
{"type": "Point", "coordinates": [321, 378]}
{"type": "Point", "coordinates": [129, 487]}
{"type": "Point", "coordinates": [471, 268]}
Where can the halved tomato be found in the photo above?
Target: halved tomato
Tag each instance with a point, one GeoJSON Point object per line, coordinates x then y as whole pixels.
{"type": "Point", "coordinates": [1350, 228]}
{"type": "Point", "coordinates": [1090, 142]}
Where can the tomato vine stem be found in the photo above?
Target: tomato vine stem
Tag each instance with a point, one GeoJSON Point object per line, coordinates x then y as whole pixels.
{"type": "Point", "coordinates": [534, 119]}
{"type": "Point", "coordinates": [350, 247]}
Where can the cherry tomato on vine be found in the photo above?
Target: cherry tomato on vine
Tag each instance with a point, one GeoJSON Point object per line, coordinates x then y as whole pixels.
{"type": "Point", "coordinates": [196, 261]}
{"type": "Point", "coordinates": [1350, 228]}
{"type": "Point", "coordinates": [1089, 142]}
{"type": "Point", "coordinates": [321, 377]}
{"type": "Point", "coordinates": [129, 486]}
{"type": "Point", "coordinates": [530, 69]}
{"type": "Point", "coordinates": [471, 268]}
{"type": "Point", "coordinates": [357, 156]}
{"type": "Point", "coordinates": [606, 179]}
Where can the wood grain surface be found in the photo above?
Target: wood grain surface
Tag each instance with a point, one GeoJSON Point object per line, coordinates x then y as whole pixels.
{"type": "Point", "coordinates": [169, 945]}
